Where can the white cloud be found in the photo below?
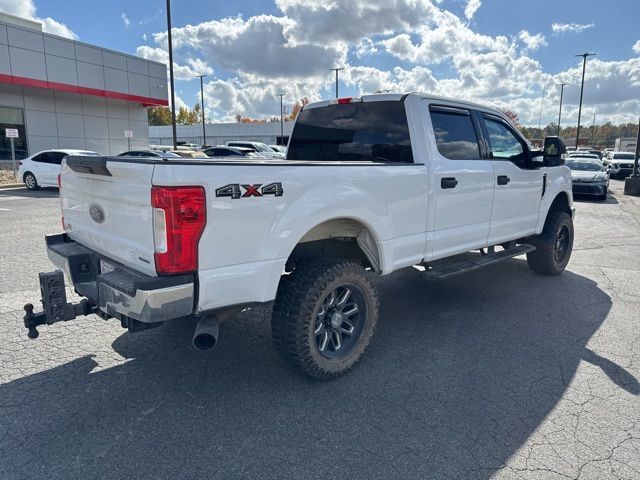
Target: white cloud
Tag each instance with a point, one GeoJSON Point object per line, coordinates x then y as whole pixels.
{"type": "Point", "coordinates": [180, 72]}
{"type": "Point", "coordinates": [328, 22]}
{"type": "Point", "coordinates": [144, 37]}
{"type": "Point", "coordinates": [366, 47]}
{"type": "Point", "coordinates": [532, 42]}
{"type": "Point", "coordinates": [561, 28]}
{"type": "Point", "coordinates": [471, 8]}
{"type": "Point", "coordinates": [27, 9]}
{"type": "Point", "coordinates": [125, 20]}
{"type": "Point", "coordinates": [256, 46]}
{"type": "Point", "coordinates": [636, 47]}
{"type": "Point", "coordinates": [20, 8]}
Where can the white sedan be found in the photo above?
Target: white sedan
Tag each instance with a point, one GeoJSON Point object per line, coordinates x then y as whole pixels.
{"type": "Point", "coordinates": [41, 169]}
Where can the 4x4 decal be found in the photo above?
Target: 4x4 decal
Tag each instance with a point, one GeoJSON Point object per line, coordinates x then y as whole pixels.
{"type": "Point", "coordinates": [235, 190]}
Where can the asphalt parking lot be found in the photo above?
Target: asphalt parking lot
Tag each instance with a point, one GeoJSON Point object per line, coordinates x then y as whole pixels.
{"type": "Point", "coordinates": [496, 374]}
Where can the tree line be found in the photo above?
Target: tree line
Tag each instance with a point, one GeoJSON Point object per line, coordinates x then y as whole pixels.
{"type": "Point", "coordinates": [603, 135]}
{"type": "Point", "coordinates": [192, 116]}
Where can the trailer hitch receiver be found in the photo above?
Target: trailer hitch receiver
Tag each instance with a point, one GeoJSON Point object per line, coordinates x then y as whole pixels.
{"type": "Point", "coordinates": [54, 304]}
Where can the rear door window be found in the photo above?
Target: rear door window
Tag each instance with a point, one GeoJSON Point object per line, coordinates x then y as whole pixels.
{"type": "Point", "coordinates": [56, 157]}
{"type": "Point", "coordinates": [455, 133]}
{"type": "Point", "coordinates": [359, 131]}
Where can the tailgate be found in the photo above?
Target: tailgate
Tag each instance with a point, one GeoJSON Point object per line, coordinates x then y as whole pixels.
{"type": "Point", "coordinates": [106, 206]}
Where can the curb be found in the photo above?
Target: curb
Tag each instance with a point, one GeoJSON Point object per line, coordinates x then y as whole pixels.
{"type": "Point", "coordinates": [11, 185]}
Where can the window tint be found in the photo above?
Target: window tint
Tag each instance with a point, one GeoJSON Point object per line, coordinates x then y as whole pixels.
{"type": "Point", "coordinates": [42, 158]}
{"type": "Point", "coordinates": [455, 134]}
{"type": "Point", "coordinates": [56, 157]}
{"type": "Point", "coordinates": [364, 132]}
{"type": "Point", "coordinates": [502, 142]}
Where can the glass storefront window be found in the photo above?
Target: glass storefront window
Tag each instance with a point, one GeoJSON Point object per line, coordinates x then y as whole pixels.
{"type": "Point", "coordinates": [11, 117]}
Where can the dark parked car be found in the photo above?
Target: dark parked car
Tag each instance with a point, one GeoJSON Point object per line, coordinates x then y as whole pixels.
{"type": "Point", "coordinates": [149, 153]}
{"type": "Point", "coordinates": [230, 152]}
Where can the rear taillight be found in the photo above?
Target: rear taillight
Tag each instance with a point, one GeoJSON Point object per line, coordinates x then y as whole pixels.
{"type": "Point", "coordinates": [59, 181]}
{"type": "Point", "coordinates": [179, 218]}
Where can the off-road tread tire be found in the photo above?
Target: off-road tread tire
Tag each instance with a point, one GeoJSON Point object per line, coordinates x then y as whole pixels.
{"type": "Point", "coordinates": [297, 298]}
{"type": "Point", "coordinates": [541, 260]}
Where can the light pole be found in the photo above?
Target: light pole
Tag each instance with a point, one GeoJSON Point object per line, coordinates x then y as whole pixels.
{"type": "Point", "coordinates": [562, 85]}
{"type": "Point", "coordinates": [336, 70]}
{"type": "Point", "coordinates": [204, 133]}
{"type": "Point", "coordinates": [281, 119]}
{"type": "Point", "coordinates": [173, 95]}
{"type": "Point", "coordinates": [541, 107]}
{"type": "Point", "coordinates": [584, 66]}
{"type": "Point", "coordinates": [593, 125]}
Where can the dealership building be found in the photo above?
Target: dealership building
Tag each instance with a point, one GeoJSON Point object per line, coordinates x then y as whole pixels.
{"type": "Point", "coordinates": [61, 93]}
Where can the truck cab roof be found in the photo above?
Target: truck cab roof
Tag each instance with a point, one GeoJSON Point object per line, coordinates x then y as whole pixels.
{"type": "Point", "coordinates": [400, 97]}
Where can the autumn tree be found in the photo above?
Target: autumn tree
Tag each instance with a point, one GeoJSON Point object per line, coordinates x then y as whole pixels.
{"type": "Point", "coordinates": [286, 117]}
{"type": "Point", "coordinates": [159, 116]}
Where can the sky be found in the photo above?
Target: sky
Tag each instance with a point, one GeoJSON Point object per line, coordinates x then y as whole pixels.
{"type": "Point", "coordinates": [504, 53]}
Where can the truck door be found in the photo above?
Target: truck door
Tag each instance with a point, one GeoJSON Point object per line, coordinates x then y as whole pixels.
{"type": "Point", "coordinates": [518, 187]}
{"type": "Point", "coordinates": [462, 184]}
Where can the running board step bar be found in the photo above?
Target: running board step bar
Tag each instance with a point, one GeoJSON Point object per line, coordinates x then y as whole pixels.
{"type": "Point", "coordinates": [456, 267]}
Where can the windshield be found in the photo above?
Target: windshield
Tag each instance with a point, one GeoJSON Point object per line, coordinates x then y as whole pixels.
{"type": "Point", "coordinates": [364, 132]}
{"type": "Point", "coordinates": [623, 156]}
{"type": "Point", "coordinates": [262, 147]}
{"type": "Point", "coordinates": [583, 166]}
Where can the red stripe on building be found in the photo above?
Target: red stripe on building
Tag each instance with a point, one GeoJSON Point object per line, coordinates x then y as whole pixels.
{"type": "Point", "coordinates": [67, 87]}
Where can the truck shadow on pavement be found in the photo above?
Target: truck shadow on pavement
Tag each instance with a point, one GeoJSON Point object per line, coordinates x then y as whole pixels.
{"type": "Point", "coordinates": [459, 375]}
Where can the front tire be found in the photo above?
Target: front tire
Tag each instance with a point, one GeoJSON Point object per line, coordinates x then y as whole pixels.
{"type": "Point", "coordinates": [324, 316]}
{"type": "Point", "coordinates": [553, 246]}
{"type": "Point", "coordinates": [603, 197]}
{"type": "Point", "coordinates": [30, 181]}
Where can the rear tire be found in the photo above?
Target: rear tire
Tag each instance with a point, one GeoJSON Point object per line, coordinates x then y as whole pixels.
{"type": "Point", "coordinates": [324, 316]}
{"type": "Point", "coordinates": [30, 181]}
{"type": "Point", "coordinates": [553, 246]}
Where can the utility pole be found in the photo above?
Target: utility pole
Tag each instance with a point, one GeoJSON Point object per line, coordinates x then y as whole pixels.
{"type": "Point", "coordinates": [204, 133]}
{"type": "Point", "coordinates": [336, 70]}
{"type": "Point", "coordinates": [584, 66]}
{"type": "Point", "coordinates": [281, 119]}
{"type": "Point", "coordinates": [173, 95]}
{"type": "Point", "coordinates": [635, 163]}
{"type": "Point", "coordinates": [562, 85]}
{"type": "Point", "coordinates": [541, 107]}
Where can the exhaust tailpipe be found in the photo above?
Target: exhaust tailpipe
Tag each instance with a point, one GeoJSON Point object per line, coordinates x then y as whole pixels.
{"type": "Point", "coordinates": [205, 336]}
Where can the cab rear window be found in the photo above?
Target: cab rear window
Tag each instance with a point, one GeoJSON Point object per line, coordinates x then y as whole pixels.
{"type": "Point", "coordinates": [361, 131]}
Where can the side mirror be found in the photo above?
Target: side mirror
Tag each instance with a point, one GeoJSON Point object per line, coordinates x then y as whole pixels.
{"type": "Point", "coordinates": [554, 152]}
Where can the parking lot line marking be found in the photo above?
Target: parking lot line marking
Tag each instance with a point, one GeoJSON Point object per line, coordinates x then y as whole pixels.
{"type": "Point", "coordinates": [5, 209]}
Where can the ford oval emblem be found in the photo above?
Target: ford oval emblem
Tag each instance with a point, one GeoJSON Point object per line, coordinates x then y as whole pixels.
{"type": "Point", "coordinates": [96, 212]}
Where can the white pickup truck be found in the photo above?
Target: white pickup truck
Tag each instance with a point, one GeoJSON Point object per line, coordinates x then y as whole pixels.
{"type": "Point", "coordinates": [370, 185]}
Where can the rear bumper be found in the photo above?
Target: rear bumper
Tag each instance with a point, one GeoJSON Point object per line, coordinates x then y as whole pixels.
{"type": "Point", "coordinates": [121, 292]}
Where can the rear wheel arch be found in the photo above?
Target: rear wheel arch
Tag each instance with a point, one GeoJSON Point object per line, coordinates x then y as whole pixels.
{"type": "Point", "coordinates": [345, 237]}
